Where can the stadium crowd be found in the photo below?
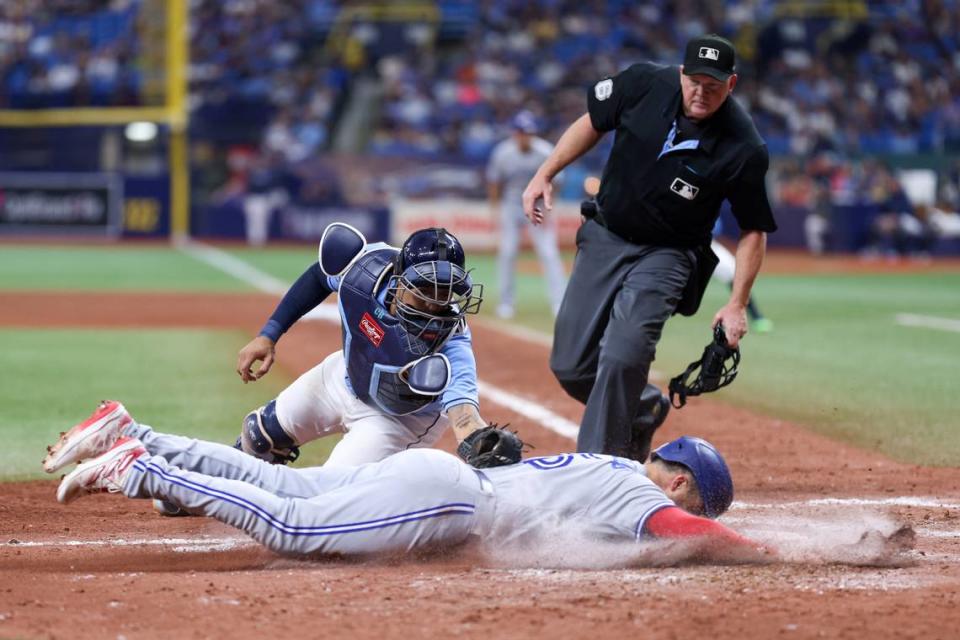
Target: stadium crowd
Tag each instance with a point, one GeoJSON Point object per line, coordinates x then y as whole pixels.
{"type": "Point", "coordinates": [827, 81]}
{"type": "Point", "coordinates": [845, 76]}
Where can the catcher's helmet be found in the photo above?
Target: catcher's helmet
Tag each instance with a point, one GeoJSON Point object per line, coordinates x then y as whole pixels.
{"type": "Point", "coordinates": [437, 289]}
{"type": "Point", "coordinates": [432, 244]}
{"type": "Point", "coordinates": [708, 467]}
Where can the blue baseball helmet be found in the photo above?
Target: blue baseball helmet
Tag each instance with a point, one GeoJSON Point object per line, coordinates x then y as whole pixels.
{"type": "Point", "coordinates": [434, 244]}
{"type": "Point", "coordinates": [708, 467]}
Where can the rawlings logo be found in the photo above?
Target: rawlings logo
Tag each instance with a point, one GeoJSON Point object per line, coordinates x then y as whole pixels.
{"type": "Point", "coordinates": [371, 329]}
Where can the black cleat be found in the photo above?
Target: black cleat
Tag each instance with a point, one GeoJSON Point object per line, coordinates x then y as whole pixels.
{"type": "Point", "coordinates": [645, 426]}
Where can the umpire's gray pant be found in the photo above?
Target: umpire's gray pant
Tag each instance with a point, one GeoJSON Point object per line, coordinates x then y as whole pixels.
{"type": "Point", "coordinates": [618, 298]}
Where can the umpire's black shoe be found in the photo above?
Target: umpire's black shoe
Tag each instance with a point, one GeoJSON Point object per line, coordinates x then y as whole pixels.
{"type": "Point", "coordinates": [645, 426]}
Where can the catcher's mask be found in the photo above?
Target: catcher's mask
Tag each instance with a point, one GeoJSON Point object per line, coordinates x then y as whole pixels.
{"type": "Point", "coordinates": [431, 290]}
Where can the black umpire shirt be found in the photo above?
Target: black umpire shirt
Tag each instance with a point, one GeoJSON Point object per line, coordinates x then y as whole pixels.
{"type": "Point", "coordinates": [663, 184]}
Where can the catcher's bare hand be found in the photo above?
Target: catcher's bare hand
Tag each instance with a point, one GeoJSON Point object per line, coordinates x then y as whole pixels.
{"type": "Point", "coordinates": [260, 348]}
{"type": "Point", "coordinates": [734, 319]}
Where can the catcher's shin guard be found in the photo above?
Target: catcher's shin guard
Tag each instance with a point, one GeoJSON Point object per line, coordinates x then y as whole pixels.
{"type": "Point", "coordinates": [264, 438]}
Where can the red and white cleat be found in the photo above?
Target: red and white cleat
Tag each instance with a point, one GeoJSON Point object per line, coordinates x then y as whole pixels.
{"type": "Point", "coordinates": [90, 438]}
{"type": "Point", "coordinates": [102, 474]}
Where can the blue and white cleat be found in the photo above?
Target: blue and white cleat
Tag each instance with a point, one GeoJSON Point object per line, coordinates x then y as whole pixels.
{"type": "Point", "coordinates": [90, 438]}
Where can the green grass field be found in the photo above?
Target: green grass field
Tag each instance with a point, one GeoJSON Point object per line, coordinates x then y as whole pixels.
{"type": "Point", "coordinates": [131, 267]}
{"type": "Point", "coordinates": [837, 361]}
{"type": "Point", "coordinates": [179, 380]}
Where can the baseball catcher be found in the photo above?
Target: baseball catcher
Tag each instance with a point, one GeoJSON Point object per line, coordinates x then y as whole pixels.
{"type": "Point", "coordinates": [406, 370]}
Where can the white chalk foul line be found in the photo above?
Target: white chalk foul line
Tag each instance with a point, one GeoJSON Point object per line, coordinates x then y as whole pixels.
{"type": "Point", "coordinates": [529, 409]}
{"type": "Point", "coordinates": [927, 322]}
{"type": "Point", "coordinates": [246, 272]}
{"type": "Point", "coordinates": [515, 331]}
{"type": "Point", "coordinates": [233, 266]}
{"type": "Point", "coordinates": [898, 501]}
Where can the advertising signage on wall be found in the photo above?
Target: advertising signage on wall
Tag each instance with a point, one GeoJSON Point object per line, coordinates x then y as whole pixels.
{"type": "Point", "coordinates": [62, 202]}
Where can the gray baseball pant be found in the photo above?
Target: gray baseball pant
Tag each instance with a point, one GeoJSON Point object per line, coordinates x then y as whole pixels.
{"type": "Point", "coordinates": [417, 499]}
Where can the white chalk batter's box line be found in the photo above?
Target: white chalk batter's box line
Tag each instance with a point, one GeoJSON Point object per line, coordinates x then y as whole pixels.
{"type": "Point", "coordinates": [229, 544]}
{"type": "Point", "coordinates": [177, 544]}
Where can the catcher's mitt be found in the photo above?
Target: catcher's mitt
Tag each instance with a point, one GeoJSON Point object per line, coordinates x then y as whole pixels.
{"type": "Point", "coordinates": [491, 446]}
{"type": "Point", "coordinates": [714, 372]}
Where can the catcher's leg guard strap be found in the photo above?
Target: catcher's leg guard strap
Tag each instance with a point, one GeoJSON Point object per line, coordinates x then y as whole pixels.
{"type": "Point", "coordinates": [264, 437]}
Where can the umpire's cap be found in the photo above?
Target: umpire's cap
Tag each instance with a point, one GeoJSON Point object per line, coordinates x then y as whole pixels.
{"type": "Point", "coordinates": [708, 468]}
{"type": "Point", "coordinates": [712, 55]}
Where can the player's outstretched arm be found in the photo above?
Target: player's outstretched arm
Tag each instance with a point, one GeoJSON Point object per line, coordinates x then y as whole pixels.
{"type": "Point", "coordinates": [714, 541]}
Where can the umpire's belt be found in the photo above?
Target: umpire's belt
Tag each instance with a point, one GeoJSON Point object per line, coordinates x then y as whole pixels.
{"type": "Point", "coordinates": [590, 209]}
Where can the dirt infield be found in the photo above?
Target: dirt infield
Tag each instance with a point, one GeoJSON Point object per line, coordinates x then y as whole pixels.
{"type": "Point", "coordinates": [109, 567]}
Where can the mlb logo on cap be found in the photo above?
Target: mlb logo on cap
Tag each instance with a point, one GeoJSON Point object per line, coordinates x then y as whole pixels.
{"type": "Point", "coordinates": [709, 53]}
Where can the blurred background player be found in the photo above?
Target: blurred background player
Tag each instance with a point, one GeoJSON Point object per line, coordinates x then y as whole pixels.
{"type": "Point", "coordinates": [513, 162]}
{"type": "Point", "coordinates": [264, 193]}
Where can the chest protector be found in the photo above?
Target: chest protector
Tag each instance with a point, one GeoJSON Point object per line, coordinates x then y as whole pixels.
{"type": "Point", "coordinates": [374, 342]}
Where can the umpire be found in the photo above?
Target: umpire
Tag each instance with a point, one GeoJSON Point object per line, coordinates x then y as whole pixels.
{"type": "Point", "coordinates": [681, 148]}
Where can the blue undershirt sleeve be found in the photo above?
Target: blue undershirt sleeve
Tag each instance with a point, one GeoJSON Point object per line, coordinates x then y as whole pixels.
{"type": "Point", "coordinates": [308, 291]}
{"type": "Point", "coordinates": [463, 371]}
